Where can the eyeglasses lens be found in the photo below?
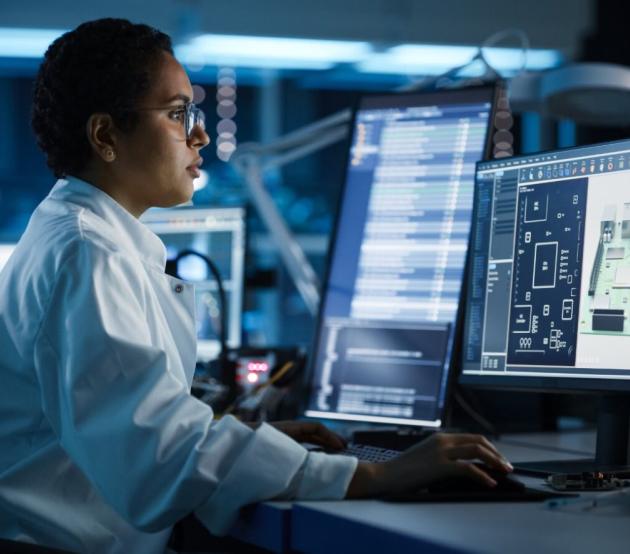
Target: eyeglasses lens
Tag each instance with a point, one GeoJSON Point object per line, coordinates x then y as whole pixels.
{"type": "Point", "coordinates": [194, 116]}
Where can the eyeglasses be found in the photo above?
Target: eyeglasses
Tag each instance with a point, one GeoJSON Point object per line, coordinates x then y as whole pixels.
{"type": "Point", "coordinates": [188, 115]}
{"type": "Point", "coordinates": [192, 116]}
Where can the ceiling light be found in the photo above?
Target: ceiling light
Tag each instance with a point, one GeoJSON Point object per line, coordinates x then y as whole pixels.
{"type": "Point", "coordinates": [270, 52]}
{"type": "Point", "coordinates": [26, 43]}
{"type": "Point", "coordinates": [428, 59]}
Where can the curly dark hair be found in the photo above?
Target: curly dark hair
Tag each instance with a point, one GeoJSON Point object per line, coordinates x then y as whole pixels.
{"type": "Point", "coordinates": [102, 66]}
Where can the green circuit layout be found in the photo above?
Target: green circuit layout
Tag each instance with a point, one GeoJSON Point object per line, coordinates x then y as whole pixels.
{"type": "Point", "coordinates": [605, 303]}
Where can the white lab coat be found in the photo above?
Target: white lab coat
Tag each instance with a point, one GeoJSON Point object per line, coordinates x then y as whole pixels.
{"type": "Point", "coordinates": [102, 448]}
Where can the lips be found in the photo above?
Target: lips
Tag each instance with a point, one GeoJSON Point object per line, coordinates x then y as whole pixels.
{"type": "Point", "coordinates": [193, 168]}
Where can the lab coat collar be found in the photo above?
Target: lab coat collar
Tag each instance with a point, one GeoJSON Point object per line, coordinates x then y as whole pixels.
{"type": "Point", "coordinates": [133, 235]}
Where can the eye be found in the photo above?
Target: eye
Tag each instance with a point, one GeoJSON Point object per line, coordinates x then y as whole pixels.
{"type": "Point", "coordinates": [178, 114]}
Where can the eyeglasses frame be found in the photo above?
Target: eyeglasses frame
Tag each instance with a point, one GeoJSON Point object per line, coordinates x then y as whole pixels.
{"type": "Point", "coordinates": [193, 115]}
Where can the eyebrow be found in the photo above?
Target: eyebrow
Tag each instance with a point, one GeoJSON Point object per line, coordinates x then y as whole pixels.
{"type": "Point", "coordinates": [179, 96]}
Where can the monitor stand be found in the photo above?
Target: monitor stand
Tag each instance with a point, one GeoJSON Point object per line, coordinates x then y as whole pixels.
{"type": "Point", "coordinates": [612, 443]}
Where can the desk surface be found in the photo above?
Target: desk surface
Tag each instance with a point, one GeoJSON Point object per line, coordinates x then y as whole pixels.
{"type": "Point", "coordinates": [372, 525]}
{"type": "Point", "coordinates": [572, 442]}
{"type": "Point", "coordinates": [519, 528]}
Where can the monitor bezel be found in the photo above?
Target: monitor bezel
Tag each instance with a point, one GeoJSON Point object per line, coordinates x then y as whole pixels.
{"type": "Point", "coordinates": [537, 384]}
{"type": "Point", "coordinates": [306, 387]}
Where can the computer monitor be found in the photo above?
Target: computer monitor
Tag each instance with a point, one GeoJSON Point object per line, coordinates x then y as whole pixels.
{"type": "Point", "coordinates": [219, 234]}
{"type": "Point", "coordinates": [389, 312]}
{"type": "Point", "coordinates": [6, 249]}
{"type": "Point", "coordinates": [549, 285]}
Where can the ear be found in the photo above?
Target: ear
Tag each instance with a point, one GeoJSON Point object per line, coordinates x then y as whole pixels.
{"type": "Point", "coordinates": [100, 131]}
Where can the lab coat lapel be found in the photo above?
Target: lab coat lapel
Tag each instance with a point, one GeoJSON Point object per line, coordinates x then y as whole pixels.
{"type": "Point", "coordinates": [178, 304]}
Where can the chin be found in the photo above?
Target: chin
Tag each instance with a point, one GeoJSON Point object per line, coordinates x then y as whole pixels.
{"type": "Point", "coordinates": [184, 194]}
{"type": "Point", "coordinates": [174, 200]}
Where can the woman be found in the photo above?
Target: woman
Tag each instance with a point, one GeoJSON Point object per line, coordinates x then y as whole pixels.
{"type": "Point", "coordinates": [102, 448]}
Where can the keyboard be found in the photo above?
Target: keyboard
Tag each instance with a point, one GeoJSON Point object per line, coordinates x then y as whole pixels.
{"type": "Point", "coordinates": [367, 453]}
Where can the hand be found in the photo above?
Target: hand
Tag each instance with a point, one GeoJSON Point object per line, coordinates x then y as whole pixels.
{"type": "Point", "coordinates": [310, 431]}
{"type": "Point", "coordinates": [442, 455]}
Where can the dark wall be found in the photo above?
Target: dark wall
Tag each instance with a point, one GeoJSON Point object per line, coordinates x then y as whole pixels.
{"type": "Point", "coordinates": [609, 42]}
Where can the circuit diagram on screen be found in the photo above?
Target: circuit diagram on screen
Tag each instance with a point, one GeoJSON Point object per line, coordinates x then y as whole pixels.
{"type": "Point", "coordinates": [545, 295]}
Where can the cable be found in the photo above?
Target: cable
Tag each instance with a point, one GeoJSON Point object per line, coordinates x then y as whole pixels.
{"type": "Point", "coordinates": [171, 269]}
{"type": "Point", "coordinates": [449, 79]}
{"type": "Point", "coordinates": [499, 36]}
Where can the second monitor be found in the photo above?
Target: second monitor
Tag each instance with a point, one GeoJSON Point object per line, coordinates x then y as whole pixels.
{"type": "Point", "coordinates": [548, 304]}
{"type": "Point", "coordinates": [390, 308]}
{"type": "Point", "coordinates": [218, 233]}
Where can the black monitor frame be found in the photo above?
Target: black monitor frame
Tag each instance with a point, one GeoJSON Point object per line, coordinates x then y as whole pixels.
{"type": "Point", "coordinates": [455, 338]}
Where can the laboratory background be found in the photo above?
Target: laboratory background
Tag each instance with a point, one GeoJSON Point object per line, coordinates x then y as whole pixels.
{"type": "Point", "coordinates": [262, 70]}
{"type": "Point", "coordinates": [291, 93]}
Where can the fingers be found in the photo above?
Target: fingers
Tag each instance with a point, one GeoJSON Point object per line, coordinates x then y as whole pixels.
{"type": "Point", "coordinates": [441, 456]}
{"type": "Point", "coordinates": [321, 435]}
{"type": "Point", "coordinates": [470, 470]}
{"type": "Point", "coordinates": [479, 452]}
{"type": "Point", "coordinates": [313, 432]}
{"type": "Point", "coordinates": [480, 439]}
{"type": "Point", "coordinates": [469, 447]}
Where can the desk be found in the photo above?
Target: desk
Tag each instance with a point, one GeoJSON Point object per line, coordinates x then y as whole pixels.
{"type": "Point", "coordinates": [572, 442]}
{"type": "Point", "coordinates": [371, 525]}
{"type": "Point", "coordinates": [501, 528]}
{"type": "Point", "coordinates": [266, 525]}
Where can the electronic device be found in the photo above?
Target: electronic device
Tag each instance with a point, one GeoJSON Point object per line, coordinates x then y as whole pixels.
{"type": "Point", "coordinates": [6, 249]}
{"type": "Point", "coordinates": [548, 299]}
{"type": "Point", "coordinates": [389, 314]}
{"type": "Point", "coordinates": [218, 234]}
{"type": "Point", "coordinates": [589, 481]}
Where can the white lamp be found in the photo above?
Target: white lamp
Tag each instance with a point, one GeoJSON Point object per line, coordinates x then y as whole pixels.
{"type": "Point", "coordinates": [587, 93]}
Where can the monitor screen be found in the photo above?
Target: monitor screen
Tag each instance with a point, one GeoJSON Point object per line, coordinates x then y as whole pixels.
{"type": "Point", "coordinates": [219, 234]}
{"type": "Point", "coordinates": [389, 310]}
{"type": "Point", "coordinates": [549, 289]}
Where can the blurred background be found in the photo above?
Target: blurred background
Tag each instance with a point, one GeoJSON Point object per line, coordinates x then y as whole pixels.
{"type": "Point", "coordinates": [264, 68]}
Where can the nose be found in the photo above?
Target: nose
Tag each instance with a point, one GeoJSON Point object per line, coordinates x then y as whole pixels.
{"type": "Point", "coordinates": [198, 138]}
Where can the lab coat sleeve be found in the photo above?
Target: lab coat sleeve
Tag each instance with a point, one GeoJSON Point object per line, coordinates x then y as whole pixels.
{"type": "Point", "coordinates": [131, 426]}
{"type": "Point", "coordinates": [321, 476]}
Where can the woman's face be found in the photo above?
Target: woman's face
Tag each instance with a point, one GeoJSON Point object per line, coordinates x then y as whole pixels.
{"type": "Point", "coordinates": [156, 163]}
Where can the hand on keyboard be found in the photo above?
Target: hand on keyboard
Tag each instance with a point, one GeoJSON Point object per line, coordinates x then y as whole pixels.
{"type": "Point", "coordinates": [311, 432]}
{"type": "Point", "coordinates": [438, 457]}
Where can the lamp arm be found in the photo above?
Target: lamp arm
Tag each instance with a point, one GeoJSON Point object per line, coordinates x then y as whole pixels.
{"type": "Point", "coordinates": [291, 253]}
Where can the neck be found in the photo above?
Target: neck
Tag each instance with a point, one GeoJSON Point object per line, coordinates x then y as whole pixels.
{"type": "Point", "coordinates": [112, 185]}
